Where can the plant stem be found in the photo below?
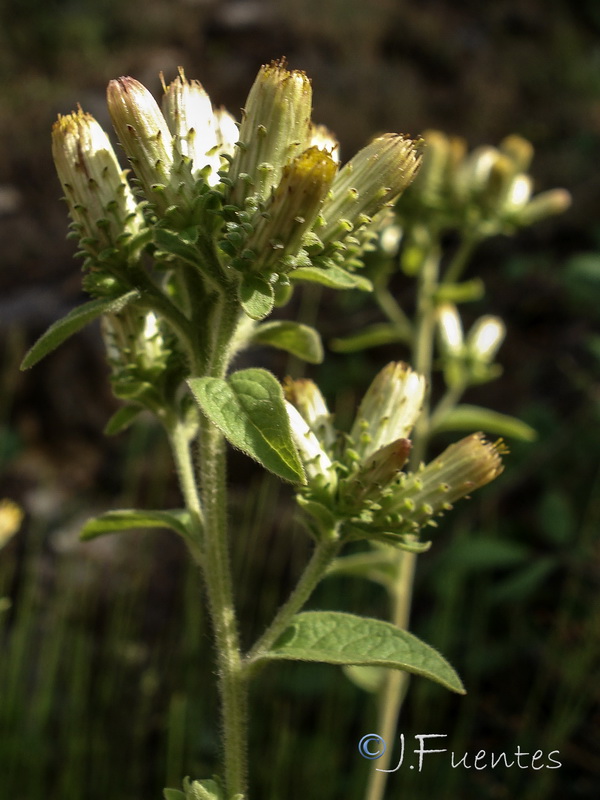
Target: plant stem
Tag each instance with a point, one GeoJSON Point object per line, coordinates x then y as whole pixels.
{"type": "Point", "coordinates": [446, 404]}
{"type": "Point", "coordinates": [393, 692]}
{"type": "Point", "coordinates": [217, 574]}
{"type": "Point", "coordinates": [461, 257]}
{"type": "Point", "coordinates": [216, 559]}
{"type": "Point", "coordinates": [324, 553]}
{"type": "Point", "coordinates": [393, 311]}
{"type": "Point", "coordinates": [182, 455]}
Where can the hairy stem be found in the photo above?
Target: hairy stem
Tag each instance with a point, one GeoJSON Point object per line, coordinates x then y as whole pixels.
{"type": "Point", "coordinates": [324, 553]}
{"type": "Point", "coordinates": [219, 584]}
{"type": "Point", "coordinates": [182, 455]}
{"type": "Point", "coordinates": [216, 561]}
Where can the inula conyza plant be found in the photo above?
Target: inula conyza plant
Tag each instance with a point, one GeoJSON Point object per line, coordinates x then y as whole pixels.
{"type": "Point", "coordinates": [457, 200]}
{"type": "Point", "coordinates": [185, 255]}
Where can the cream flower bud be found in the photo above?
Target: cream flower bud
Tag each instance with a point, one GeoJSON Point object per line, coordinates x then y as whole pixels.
{"type": "Point", "coordinates": [507, 190]}
{"type": "Point", "coordinates": [275, 128]}
{"type": "Point", "coordinates": [96, 189]}
{"type": "Point", "coordinates": [321, 137]}
{"type": "Point", "coordinates": [389, 409]}
{"type": "Point", "coordinates": [306, 397]}
{"type": "Point", "coordinates": [145, 136]}
{"type": "Point", "coordinates": [227, 131]}
{"type": "Point", "coordinates": [463, 467]}
{"type": "Point", "coordinates": [134, 338]}
{"type": "Point", "coordinates": [485, 338]}
{"type": "Point", "coordinates": [473, 174]}
{"type": "Point", "coordinates": [519, 150]}
{"type": "Point", "coordinates": [450, 329]}
{"type": "Point", "coordinates": [431, 182]}
{"type": "Point", "coordinates": [291, 210]}
{"type": "Point", "coordinates": [545, 204]}
{"type": "Point", "coordinates": [189, 115]}
{"type": "Point", "coordinates": [317, 464]}
{"type": "Point", "coordinates": [373, 178]}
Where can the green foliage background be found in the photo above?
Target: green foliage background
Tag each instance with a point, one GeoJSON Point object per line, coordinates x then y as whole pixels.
{"type": "Point", "coordinates": [105, 668]}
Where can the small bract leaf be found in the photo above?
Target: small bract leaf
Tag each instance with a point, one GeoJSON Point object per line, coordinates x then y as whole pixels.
{"type": "Point", "coordinates": [249, 410]}
{"type": "Point", "coordinates": [299, 340]}
{"type": "Point", "coordinates": [333, 277]}
{"type": "Point", "coordinates": [125, 519]}
{"type": "Point", "coordinates": [121, 419]}
{"type": "Point", "coordinates": [257, 296]}
{"type": "Point", "coordinates": [59, 331]}
{"type": "Point", "coordinates": [174, 244]}
{"type": "Point", "coordinates": [467, 417]}
{"type": "Point", "coordinates": [333, 637]}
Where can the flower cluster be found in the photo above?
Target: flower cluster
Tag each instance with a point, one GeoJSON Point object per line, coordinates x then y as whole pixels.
{"type": "Point", "coordinates": [358, 479]}
{"type": "Point", "coordinates": [248, 208]}
{"type": "Point", "coordinates": [468, 361]}
{"type": "Point", "coordinates": [486, 191]}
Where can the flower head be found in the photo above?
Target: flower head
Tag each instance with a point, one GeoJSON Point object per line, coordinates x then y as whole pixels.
{"type": "Point", "coordinates": [145, 137]}
{"type": "Point", "coordinates": [275, 128]}
{"type": "Point", "coordinates": [100, 199]}
{"type": "Point", "coordinates": [200, 134]}
{"type": "Point", "coordinates": [368, 182]}
{"type": "Point", "coordinates": [389, 409]}
{"type": "Point", "coordinates": [359, 479]}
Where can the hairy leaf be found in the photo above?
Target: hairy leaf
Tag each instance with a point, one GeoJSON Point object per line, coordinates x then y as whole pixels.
{"type": "Point", "coordinates": [299, 340]}
{"type": "Point", "coordinates": [128, 518]}
{"type": "Point", "coordinates": [249, 410]}
{"type": "Point", "coordinates": [59, 331]}
{"type": "Point", "coordinates": [333, 277]}
{"type": "Point", "coordinates": [257, 296]}
{"type": "Point", "coordinates": [336, 638]}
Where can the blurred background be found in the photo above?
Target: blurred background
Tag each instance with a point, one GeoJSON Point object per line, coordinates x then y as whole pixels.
{"type": "Point", "coordinates": [106, 678]}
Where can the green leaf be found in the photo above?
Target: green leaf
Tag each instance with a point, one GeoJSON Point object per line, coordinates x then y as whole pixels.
{"type": "Point", "coordinates": [173, 794]}
{"type": "Point", "coordinates": [299, 340]}
{"type": "Point", "coordinates": [76, 319]}
{"type": "Point", "coordinates": [466, 417]}
{"type": "Point", "coordinates": [333, 637]}
{"type": "Point", "coordinates": [257, 296]}
{"type": "Point", "coordinates": [465, 292]}
{"type": "Point", "coordinates": [128, 518]}
{"type": "Point", "coordinates": [249, 410]}
{"type": "Point", "coordinates": [121, 419]}
{"type": "Point", "coordinates": [372, 336]}
{"type": "Point", "coordinates": [333, 277]}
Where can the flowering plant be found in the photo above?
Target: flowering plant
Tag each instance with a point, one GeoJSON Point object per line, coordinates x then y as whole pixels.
{"type": "Point", "coordinates": [185, 256]}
